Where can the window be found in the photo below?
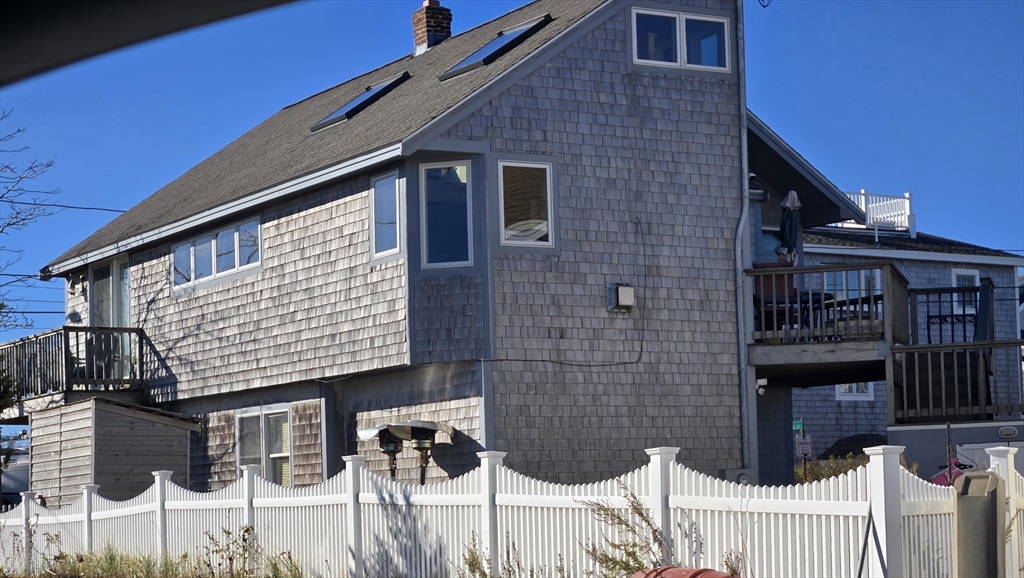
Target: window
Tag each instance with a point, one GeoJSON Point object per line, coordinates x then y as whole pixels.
{"type": "Point", "coordinates": [264, 439]}
{"type": "Point", "coordinates": [524, 197]}
{"type": "Point", "coordinates": [446, 209]}
{"type": "Point", "coordinates": [369, 96]}
{"type": "Point", "coordinates": [384, 229]}
{"type": "Point", "coordinates": [855, 284]}
{"type": "Point", "coordinates": [215, 254]}
{"type": "Point", "coordinates": [505, 40]}
{"type": "Point", "coordinates": [855, 392]}
{"type": "Point", "coordinates": [657, 34]}
{"type": "Point", "coordinates": [109, 300]}
{"type": "Point", "coordinates": [966, 302]}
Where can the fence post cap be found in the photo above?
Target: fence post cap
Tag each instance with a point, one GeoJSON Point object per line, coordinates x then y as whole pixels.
{"type": "Point", "coordinates": [884, 450]}
{"type": "Point", "coordinates": [662, 451]}
{"type": "Point", "coordinates": [357, 459]}
{"type": "Point", "coordinates": [491, 455]}
{"type": "Point", "coordinates": [162, 474]}
{"type": "Point", "coordinates": [26, 496]}
{"type": "Point", "coordinates": [91, 488]}
{"type": "Point", "coordinates": [1001, 451]}
{"type": "Point", "coordinates": [256, 469]}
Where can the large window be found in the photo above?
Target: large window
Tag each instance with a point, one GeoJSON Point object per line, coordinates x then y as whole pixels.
{"type": "Point", "coordinates": [264, 439]}
{"type": "Point", "coordinates": [219, 253]}
{"type": "Point", "coordinates": [524, 197]}
{"type": "Point", "coordinates": [446, 210]}
{"type": "Point", "coordinates": [966, 302]}
{"type": "Point", "coordinates": [854, 284]}
{"type": "Point", "coordinates": [675, 39]}
{"type": "Point", "coordinates": [384, 225]}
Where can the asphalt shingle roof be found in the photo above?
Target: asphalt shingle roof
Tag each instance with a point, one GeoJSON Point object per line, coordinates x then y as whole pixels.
{"type": "Point", "coordinates": [283, 148]}
{"type": "Point", "coordinates": [865, 239]}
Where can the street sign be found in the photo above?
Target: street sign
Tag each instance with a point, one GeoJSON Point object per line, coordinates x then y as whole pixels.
{"type": "Point", "coordinates": [803, 445]}
{"type": "Point", "coordinates": [798, 424]}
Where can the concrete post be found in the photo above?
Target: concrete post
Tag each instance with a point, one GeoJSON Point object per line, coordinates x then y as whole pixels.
{"type": "Point", "coordinates": [885, 541]}
{"type": "Point", "coordinates": [88, 491]}
{"type": "Point", "coordinates": [160, 478]}
{"type": "Point", "coordinates": [1002, 460]}
{"type": "Point", "coordinates": [662, 459]}
{"type": "Point", "coordinates": [489, 462]}
{"type": "Point", "coordinates": [27, 503]}
{"type": "Point", "coordinates": [354, 520]}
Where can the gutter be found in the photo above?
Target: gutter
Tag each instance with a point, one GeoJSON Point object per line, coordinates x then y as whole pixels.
{"type": "Point", "coordinates": [741, 236]}
{"type": "Point", "coordinates": [287, 188]}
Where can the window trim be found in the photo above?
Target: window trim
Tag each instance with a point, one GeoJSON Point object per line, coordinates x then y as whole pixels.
{"type": "Point", "coordinates": [501, 204]}
{"type": "Point", "coordinates": [399, 190]}
{"type": "Point", "coordinates": [214, 233]}
{"type": "Point", "coordinates": [854, 395]}
{"type": "Point", "coordinates": [424, 263]}
{"type": "Point", "coordinates": [265, 454]}
{"type": "Point", "coordinates": [958, 305]}
{"type": "Point", "coordinates": [681, 18]}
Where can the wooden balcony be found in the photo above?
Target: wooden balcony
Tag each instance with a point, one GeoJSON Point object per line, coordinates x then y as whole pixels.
{"type": "Point", "coordinates": [826, 324]}
{"type": "Point", "coordinates": [75, 359]}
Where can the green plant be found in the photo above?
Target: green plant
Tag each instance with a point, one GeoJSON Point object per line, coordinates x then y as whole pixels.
{"type": "Point", "coordinates": [476, 565]}
{"type": "Point", "coordinates": [642, 544]}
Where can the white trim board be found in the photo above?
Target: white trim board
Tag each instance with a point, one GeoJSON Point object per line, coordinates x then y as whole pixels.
{"type": "Point", "coordinates": [915, 255]}
{"type": "Point", "coordinates": [972, 425]}
{"type": "Point", "coordinates": [250, 201]}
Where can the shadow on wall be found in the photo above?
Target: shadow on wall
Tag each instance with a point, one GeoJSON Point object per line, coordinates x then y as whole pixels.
{"type": "Point", "coordinates": [451, 457]}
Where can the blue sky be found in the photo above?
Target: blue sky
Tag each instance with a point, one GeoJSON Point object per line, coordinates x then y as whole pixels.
{"type": "Point", "coordinates": [926, 97]}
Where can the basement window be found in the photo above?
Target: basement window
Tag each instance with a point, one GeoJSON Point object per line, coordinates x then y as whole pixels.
{"type": "Point", "coordinates": [855, 392]}
{"type": "Point", "coordinates": [505, 41]}
{"type": "Point", "coordinates": [264, 439]}
{"type": "Point", "coordinates": [371, 95]}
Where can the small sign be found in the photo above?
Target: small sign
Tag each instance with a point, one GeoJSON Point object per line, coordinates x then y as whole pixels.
{"type": "Point", "coordinates": [798, 424]}
{"type": "Point", "coordinates": [803, 446]}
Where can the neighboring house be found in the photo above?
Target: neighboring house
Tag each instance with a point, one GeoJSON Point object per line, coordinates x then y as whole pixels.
{"type": "Point", "coordinates": [934, 266]}
{"type": "Point", "coordinates": [533, 237]}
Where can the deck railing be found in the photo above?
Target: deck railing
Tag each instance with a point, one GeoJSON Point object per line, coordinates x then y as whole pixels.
{"type": "Point", "coordinates": [952, 314]}
{"type": "Point", "coordinates": [956, 382]}
{"type": "Point", "coordinates": [830, 302]}
{"type": "Point", "coordinates": [69, 358]}
{"type": "Point", "coordinates": [883, 211]}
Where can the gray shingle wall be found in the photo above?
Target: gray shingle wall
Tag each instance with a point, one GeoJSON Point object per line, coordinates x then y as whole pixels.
{"type": "Point", "coordinates": [449, 318]}
{"type": "Point", "coordinates": [775, 436]}
{"type": "Point", "coordinates": [317, 308]}
{"type": "Point", "coordinates": [212, 454]}
{"type": "Point", "coordinates": [828, 420]}
{"type": "Point", "coordinates": [659, 149]}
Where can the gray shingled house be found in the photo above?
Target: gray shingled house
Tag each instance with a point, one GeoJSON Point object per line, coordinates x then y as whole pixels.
{"type": "Point", "coordinates": [539, 236]}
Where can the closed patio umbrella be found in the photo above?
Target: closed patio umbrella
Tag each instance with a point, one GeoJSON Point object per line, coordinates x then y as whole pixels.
{"type": "Point", "coordinates": [789, 231]}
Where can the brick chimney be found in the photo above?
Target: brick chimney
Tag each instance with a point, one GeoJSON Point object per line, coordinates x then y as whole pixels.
{"type": "Point", "coordinates": [431, 25]}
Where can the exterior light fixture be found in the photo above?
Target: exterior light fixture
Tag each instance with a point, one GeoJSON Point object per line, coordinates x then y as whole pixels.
{"type": "Point", "coordinates": [419, 434]}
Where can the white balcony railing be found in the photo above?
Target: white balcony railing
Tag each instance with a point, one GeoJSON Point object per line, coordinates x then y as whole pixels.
{"type": "Point", "coordinates": [883, 211]}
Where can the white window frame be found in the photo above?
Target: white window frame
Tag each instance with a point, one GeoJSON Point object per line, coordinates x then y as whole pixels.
{"type": "Point", "coordinates": [501, 203]}
{"type": "Point", "coordinates": [855, 395]}
{"type": "Point", "coordinates": [681, 18]}
{"type": "Point", "coordinates": [958, 304]}
{"type": "Point", "coordinates": [265, 454]}
{"type": "Point", "coordinates": [423, 214]}
{"type": "Point", "coordinates": [399, 189]}
{"type": "Point", "coordinates": [121, 309]}
{"type": "Point", "coordinates": [215, 274]}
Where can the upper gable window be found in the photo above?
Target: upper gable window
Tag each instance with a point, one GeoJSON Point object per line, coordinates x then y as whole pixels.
{"type": "Point", "coordinates": [679, 40]}
{"type": "Point", "coordinates": [446, 209]}
{"type": "Point", "coordinates": [505, 40]}
{"type": "Point", "coordinates": [966, 302]}
{"type": "Point", "coordinates": [365, 99]}
{"type": "Point", "coordinates": [524, 196]}
{"type": "Point", "coordinates": [215, 254]}
{"type": "Point", "coordinates": [384, 225]}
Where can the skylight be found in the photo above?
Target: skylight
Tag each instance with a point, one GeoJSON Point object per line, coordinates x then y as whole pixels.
{"type": "Point", "coordinates": [365, 99]}
{"type": "Point", "coordinates": [499, 45]}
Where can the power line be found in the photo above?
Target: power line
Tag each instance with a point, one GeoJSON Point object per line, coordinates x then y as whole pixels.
{"type": "Point", "coordinates": [59, 206]}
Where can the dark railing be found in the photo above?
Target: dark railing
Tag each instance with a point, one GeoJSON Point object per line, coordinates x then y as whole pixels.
{"type": "Point", "coordinates": [957, 382]}
{"type": "Point", "coordinates": [67, 358]}
{"type": "Point", "coordinates": [952, 314]}
{"type": "Point", "coordinates": [830, 302]}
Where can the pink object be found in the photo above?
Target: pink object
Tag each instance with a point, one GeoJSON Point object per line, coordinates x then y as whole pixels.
{"type": "Point", "coordinates": [948, 476]}
{"type": "Point", "coordinates": [676, 572]}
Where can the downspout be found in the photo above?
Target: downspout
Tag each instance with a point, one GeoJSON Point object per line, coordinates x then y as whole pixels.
{"type": "Point", "coordinates": [741, 238]}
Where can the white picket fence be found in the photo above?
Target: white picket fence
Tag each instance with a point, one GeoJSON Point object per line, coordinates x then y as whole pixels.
{"type": "Point", "coordinates": [1002, 463]}
{"type": "Point", "coordinates": [877, 520]}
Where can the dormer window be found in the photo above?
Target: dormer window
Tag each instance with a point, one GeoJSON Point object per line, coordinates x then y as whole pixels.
{"type": "Point", "coordinates": [365, 99]}
{"type": "Point", "coordinates": [679, 40]}
{"type": "Point", "coordinates": [505, 41]}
